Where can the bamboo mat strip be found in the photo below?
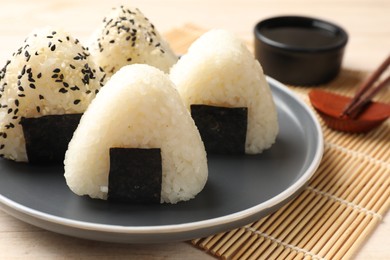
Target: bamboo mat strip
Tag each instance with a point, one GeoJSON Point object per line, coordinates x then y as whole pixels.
{"type": "Point", "coordinates": [344, 201]}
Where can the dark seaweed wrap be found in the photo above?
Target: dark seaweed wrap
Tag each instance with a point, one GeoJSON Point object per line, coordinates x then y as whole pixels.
{"type": "Point", "coordinates": [223, 129]}
{"type": "Point", "coordinates": [135, 175]}
{"type": "Point", "coordinates": [47, 137]}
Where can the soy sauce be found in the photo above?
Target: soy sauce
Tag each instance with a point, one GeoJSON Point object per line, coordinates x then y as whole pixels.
{"type": "Point", "coordinates": [301, 37]}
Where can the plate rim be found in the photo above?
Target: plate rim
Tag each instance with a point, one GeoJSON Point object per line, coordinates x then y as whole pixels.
{"type": "Point", "coordinates": [18, 209]}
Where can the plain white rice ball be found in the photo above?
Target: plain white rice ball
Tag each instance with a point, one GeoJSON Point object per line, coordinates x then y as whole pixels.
{"type": "Point", "coordinates": [125, 37]}
{"type": "Point", "coordinates": [219, 70]}
{"type": "Point", "coordinates": [137, 108]}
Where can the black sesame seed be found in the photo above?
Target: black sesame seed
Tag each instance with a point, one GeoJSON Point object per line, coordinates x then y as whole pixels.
{"type": "Point", "coordinates": [112, 41]}
{"type": "Point", "coordinates": [53, 47]}
{"type": "Point", "coordinates": [39, 75]}
{"type": "Point", "coordinates": [76, 101]}
{"type": "Point", "coordinates": [21, 88]}
{"type": "Point", "coordinates": [129, 59]}
{"type": "Point", "coordinates": [15, 117]}
{"type": "Point", "coordinates": [38, 109]}
{"type": "Point", "coordinates": [72, 66]}
{"type": "Point", "coordinates": [2, 146]}
{"type": "Point", "coordinates": [62, 90]}
{"type": "Point", "coordinates": [65, 84]}
{"type": "Point", "coordinates": [103, 78]}
{"type": "Point", "coordinates": [56, 70]}
{"type": "Point", "coordinates": [16, 111]}
{"type": "Point", "coordinates": [74, 88]}
{"type": "Point", "coordinates": [88, 92]}
{"type": "Point", "coordinates": [21, 95]}
{"type": "Point", "coordinates": [54, 76]}
{"type": "Point", "coordinates": [49, 36]}
{"type": "Point", "coordinates": [30, 79]}
{"type": "Point", "coordinates": [9, 110]}
{"type": "Point", "coordinates": [23, 70]}
{"type": "Point", "coordinates": [32, 86]}
{"type": "Point", "coordinates": [16, 102]}
{"type": "Point", "coordinates": [41, 97]}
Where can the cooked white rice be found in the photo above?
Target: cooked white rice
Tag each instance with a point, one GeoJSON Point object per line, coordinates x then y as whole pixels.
{"type": "Point", "coordinates": [219, 70]}
{"type": "Point", "coordinates": [125, 37]}
{"type": "Point", "coordinates": [51, 74]}
{"type": "Point", "coordinates": [137, 108]}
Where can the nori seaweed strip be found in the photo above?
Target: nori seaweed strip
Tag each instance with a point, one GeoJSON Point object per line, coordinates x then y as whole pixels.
{"type": "Point", "coordinates": [222, 129]}
{"type": "Point", "coordinates": [135, 175]}
{"type": "Point", "coordinates": [47, 137]}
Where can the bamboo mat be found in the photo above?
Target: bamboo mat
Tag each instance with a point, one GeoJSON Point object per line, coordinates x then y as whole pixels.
{"type": "Point", "coordinates": [344, 202]}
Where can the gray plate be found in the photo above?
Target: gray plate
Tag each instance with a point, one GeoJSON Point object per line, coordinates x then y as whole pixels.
{"type": "Point", "coordinates": [240, 190]}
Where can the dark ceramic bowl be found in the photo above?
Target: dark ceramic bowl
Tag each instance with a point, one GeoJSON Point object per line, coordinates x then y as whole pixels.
{"type": "Point", "coordinates": [300, 50]}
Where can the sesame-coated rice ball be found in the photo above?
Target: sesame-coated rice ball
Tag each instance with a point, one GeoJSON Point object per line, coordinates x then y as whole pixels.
{"type": "Point", "coordinates": [51, 74]}
{"type": "Point", "coordinates": [125, 37]}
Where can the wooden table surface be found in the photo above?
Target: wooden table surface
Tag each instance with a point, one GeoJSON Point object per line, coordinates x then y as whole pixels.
{"type": "Point", "coordinates": [368, 25]}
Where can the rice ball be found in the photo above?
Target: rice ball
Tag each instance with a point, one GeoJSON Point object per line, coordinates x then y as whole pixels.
{"type": "Point", "coordinates": [138, 108]}
{"type": "Point", "coordinates": [219, 70]}
{"type": "Point", "coordinates": [125, 37]}
{"type": "Point", "coordinates": [51, 74]}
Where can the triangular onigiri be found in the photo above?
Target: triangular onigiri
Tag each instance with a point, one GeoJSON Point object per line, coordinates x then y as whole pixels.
{"type": "Point", "coordinates": [125, 37]}
{"type": "Point", "coordinates": [220, 71]}
{"type": "Point", "coordinates": [51, 74]}
{"type": "Point", "coordinates": [138, 108]}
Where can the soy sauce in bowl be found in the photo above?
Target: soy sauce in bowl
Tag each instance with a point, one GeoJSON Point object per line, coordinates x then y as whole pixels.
{"type": "Point", "coordinates": [300, 50]}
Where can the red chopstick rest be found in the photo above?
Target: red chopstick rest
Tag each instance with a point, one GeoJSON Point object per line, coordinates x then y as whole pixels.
{"type": "Point", "coordinates": [330, 106]}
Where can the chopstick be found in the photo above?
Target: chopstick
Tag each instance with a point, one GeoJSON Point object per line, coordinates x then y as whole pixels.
{"type": "Point", "coordinates": [366, 91]}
